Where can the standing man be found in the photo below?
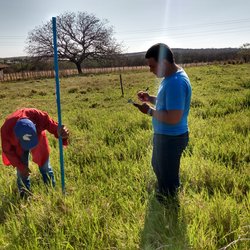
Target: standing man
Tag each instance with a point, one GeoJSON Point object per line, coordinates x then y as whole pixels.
{"type": "Point", "coordinates": [23, 132]}
{"type": "Point", "coordinates": [169, 117]}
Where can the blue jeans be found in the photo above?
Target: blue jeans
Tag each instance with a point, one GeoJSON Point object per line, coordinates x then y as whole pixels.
{"type": "Point", "coordinates": [46, 171]}
{"type": "Point", "coordinates": [167, 151]}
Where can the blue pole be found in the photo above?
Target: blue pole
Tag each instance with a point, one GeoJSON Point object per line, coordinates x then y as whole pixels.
{"type": "Point", "coordinates": [56, 68]}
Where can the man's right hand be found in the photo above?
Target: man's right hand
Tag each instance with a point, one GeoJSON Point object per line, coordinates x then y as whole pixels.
{"type": "Point", "coordinates": [143, 96]}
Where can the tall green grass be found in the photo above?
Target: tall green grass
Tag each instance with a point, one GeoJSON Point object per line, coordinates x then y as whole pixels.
{"type": "Point", "coordinates": [109, 201]}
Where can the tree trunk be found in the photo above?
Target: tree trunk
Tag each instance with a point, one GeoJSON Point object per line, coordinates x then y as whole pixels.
{"type": "Point", "coordinates": [79, 68]}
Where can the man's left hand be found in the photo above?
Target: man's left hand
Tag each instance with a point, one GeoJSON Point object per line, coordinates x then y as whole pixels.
{"type": "Point", "coordinates": [63, 132]}
{"type": "Point", "coordinates": [144, 107]}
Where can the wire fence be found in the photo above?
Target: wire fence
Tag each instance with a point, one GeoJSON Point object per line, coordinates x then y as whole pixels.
{"type": "Point", "coordinates": [28, 75]}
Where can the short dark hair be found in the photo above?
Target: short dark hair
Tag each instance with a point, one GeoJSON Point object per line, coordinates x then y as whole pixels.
{"type": "Point", "coordinates": [159, 52]}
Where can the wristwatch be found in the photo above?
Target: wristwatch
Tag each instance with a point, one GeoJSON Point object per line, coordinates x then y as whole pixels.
{"type": "Point", "coordinates": [150, 112]}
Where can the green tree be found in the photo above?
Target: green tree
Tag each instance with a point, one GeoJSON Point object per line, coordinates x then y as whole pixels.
{"type": "Point", "coordinates": [80, 36]}
{"type": "Point", "coordinates": [245, 52]}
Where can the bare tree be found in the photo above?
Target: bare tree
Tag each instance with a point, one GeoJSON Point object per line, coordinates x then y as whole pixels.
{"type": "Point", "coordinates": [80, 36]}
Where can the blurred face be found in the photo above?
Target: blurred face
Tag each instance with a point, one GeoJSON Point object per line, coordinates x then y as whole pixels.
{"type": "Point", "coordinates": [157, 68]}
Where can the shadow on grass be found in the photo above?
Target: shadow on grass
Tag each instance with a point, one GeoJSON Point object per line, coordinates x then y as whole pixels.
{"type": "Point", "coordinates": [164, 227]}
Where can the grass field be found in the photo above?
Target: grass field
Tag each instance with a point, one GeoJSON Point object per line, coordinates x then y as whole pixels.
{"type": "Point", "coordinates": [109, 201]}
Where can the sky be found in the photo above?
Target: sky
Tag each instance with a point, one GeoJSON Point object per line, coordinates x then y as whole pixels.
{"type": "Point", "coordinates": [137, 24]}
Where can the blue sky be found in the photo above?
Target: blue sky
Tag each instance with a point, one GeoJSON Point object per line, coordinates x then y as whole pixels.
{"type": "Point", "coordinates": [136, 23]}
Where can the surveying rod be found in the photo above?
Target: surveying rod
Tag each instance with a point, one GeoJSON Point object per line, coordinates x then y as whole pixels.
{"type": "Point", "coordinates": [58, 100]}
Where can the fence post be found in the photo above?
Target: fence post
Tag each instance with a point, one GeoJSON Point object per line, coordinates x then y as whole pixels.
{"type": "Point", "coordinates": [121, 85]}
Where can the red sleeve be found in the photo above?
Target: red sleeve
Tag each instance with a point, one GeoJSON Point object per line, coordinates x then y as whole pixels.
{"type": "Point", "coordinates": [9, 153]}
{"type": "Point", "coordinates": [45, 122]}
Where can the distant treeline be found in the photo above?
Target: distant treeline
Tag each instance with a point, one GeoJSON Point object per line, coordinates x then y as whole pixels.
{"type": "Point", "coordinates": [205, 55]}
{"type": "Point", "coordinates": [182, 56]}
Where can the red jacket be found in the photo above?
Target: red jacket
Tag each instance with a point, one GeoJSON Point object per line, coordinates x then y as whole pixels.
{"type": "Point", "coordinates": [11, 149]}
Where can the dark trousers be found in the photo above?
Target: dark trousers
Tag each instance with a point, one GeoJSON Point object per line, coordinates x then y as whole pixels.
{"type": "Point", "coordinates": [23, 182]}
{"type": "Point", "coordinates": [167, 151]}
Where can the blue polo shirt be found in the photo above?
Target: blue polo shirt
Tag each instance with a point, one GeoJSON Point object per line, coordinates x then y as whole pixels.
{"type": "Point", "coordinates": [174, 93]}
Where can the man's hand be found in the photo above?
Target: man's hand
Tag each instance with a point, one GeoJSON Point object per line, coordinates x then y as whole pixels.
{"type": "Point", "coordinates": [144, 107]}
{"type": "Point", "coordinates": [26, 172]}
{"type": "Point", "coordinates": [63, 132]}
{"type": "Point", "coordinates": [143, 96]}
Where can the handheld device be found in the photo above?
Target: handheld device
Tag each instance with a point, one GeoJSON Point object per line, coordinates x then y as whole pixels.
{"type": "Point", "coordinates": [132, 102]}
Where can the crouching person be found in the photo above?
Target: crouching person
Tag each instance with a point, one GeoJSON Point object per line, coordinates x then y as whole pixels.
{"type": "Point", "coordinates": [24, 133]}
